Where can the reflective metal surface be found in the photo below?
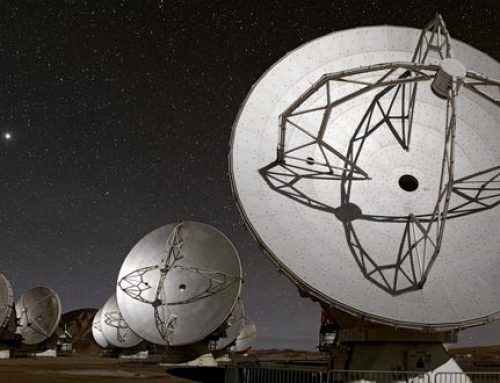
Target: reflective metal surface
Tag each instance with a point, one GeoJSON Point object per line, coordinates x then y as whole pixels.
{"type": "Point", "coordinates": [114, 328]}
{"type": "Point", "coordinates": [6, 303]}
{"type": "Point", "coordinates": [38, 312]}
{"type": "Point", "coordinates": [338, 237]}
{"type": "Point", "coordinates": [179, 283]}
{"type": "Point", "coordinates": [97, 330]}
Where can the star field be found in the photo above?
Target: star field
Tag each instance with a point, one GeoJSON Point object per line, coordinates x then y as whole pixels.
{"type": "Point", "coordinates": [116, 118]}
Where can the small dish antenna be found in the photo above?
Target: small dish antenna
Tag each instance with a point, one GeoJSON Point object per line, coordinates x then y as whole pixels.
{"type": "Point", "coordinates": [6, 304]}
{"type": "Point", "coordinates": [38, 312]}
{"type": "Point", "coordinates": [114, 328]}
{"type": "Point", "coordinates": [179, 283]}
{"type": "Point", "coordinates": [99, 337]}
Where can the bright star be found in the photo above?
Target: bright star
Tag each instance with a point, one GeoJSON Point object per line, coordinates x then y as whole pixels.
{"type": "Point", "coordinates": [7, 136]}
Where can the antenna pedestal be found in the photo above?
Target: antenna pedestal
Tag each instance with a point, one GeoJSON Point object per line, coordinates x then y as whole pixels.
{"type": "Point", "coordinates": [362, 345]}
{"type": "Point", "coordinates": [390, 356]}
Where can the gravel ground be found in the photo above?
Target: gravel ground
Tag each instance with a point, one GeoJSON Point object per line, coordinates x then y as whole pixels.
{"type": "Point", "coordinates": [78, 369]}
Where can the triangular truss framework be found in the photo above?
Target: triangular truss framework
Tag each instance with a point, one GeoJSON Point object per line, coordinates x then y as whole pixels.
{"type": "Point", "coordinates": [305, 152]}
{"type": "Point", "coordinates": [115, 319]}
{"type": "Point", "coordinates": [30, 319]}
{"type": "Point", "coordinates": [136, 284]}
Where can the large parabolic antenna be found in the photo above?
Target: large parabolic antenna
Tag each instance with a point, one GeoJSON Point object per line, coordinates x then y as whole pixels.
{"type": "Point", "coordinates": [179, 283]}
{"type": "Point", "coordinates": [99, 337]}
{"type": "Point", "coordinates": [114, 328]}
{"type": "Point", "coordinates": [6, 303]}
{"type": "Point", "coordinates": [366, 163]}
{"type": "Point", "coordinates": [38, 312]}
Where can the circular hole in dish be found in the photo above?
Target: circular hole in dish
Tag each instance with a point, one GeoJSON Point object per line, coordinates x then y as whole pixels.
{"type": "Point", "coordinates": [408, 183]}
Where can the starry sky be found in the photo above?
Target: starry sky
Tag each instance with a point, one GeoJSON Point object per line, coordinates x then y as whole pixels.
{"type": "Point", "coordinates": [115, 118]}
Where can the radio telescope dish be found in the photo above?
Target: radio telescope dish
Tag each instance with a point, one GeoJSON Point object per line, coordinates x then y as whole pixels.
{"type": "Point", "coordinates": [233, 326]}
{"type": "Point", "coordinates": [375, 189]}
{"type": "Point", "coordinates": [39, 312]}
{"type": "Point", "coordinates": [179, 283]}
{"type": "Point", "coordinates": [114, 328]}
{"type": "Point", "coordinates": [6, 303]}
{"type": "Point", "coordinates": [99, 337]}
{"type": "Point", "coordinates": [246, 337]}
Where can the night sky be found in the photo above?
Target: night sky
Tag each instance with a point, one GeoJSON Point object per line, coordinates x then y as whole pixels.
{"type": "Point", "coordinates": [120, 114]}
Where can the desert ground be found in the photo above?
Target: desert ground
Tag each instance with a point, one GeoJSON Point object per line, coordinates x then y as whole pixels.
{"type": "Point", "coordinates": [78, 369]}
